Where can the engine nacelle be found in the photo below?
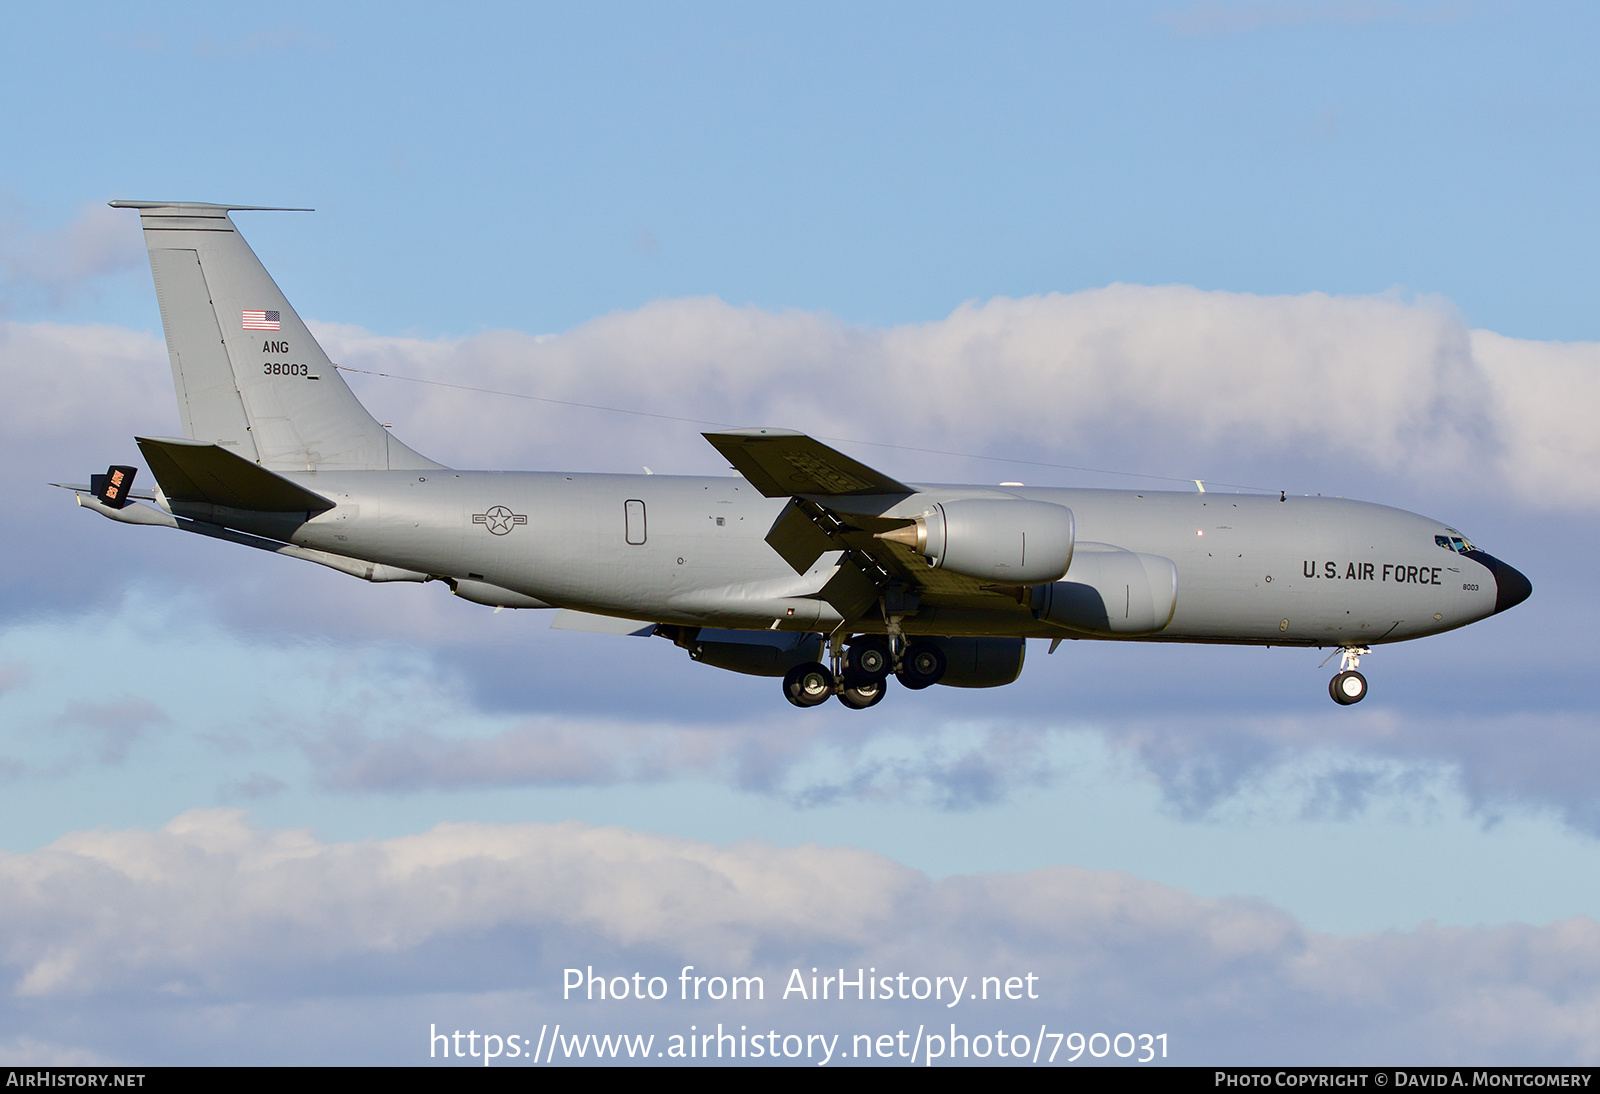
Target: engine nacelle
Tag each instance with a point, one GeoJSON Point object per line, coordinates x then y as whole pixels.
{"type": "Point", "coordinates": [1005, 540]}
{"type": "Point", "coordinates": [1110, 591]}
{"type": "Point", "coordinates": [981, 662]}
{"type": "Point", "coordinates": [755, 653]}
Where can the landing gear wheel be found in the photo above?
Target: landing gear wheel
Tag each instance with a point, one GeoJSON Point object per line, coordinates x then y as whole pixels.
{"type": "Point", "coordinates": [862, 696]}
{"type": "Point", "coordinates": [866, 663]}
{"type": "Point", "coordinates": [922, 666]}
{"type": "Point", "coordinates": [807, 685]}
{"type": "Point", "coordinates": [1348, 687]}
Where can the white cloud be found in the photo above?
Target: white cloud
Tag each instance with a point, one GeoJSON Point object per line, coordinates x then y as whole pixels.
{"type": "Point", "coordinates": [71, 383]}
{"type": "Point", "coordinates": [208, 904]}
{"type": "Point", "coordinates": [209, 914]}
{"type": "Point", "coordinates": [1169, 380]}
{"type": "Point", "coordinates": [1543, 397]}
{"type": "Point", "coordinates": [1157, 379]}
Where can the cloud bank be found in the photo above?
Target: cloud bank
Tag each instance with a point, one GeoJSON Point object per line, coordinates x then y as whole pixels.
{"type": "Point", "coordinates": [1166, 380]}
{"type": "Point", "coordinates": [210, 914]}
{"type": "Point", "coordinates": [1159, 379]}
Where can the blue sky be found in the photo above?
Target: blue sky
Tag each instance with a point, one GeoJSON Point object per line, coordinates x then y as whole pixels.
{"type": "Point", "coordinates": [1325, 247]}
{"type": "Point", "coordinates": [530, 168]}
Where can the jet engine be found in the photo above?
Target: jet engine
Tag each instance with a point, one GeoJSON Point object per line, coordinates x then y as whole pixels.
{"type": "Point", "coordinates": [994, 539]}
{"type": "Point", "coordinates": [981, 662]}
{"type": "Point", "coordinates": [755, 653]}
{"type": "Point", "coordinates": [1110, 591]}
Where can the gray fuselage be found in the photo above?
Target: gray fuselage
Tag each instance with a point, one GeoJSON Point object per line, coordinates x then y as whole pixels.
{"type": "Point", "coordinates": [1250, 568]}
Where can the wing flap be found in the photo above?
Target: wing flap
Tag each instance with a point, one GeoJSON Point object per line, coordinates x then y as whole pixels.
{"type": "Point", "coordinates": [803, 533]}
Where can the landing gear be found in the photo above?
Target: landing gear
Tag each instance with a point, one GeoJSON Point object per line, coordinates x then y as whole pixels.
{"type": "Point", "coordinates": [1349, 686]}
{"type": "Point", "coordinates": [808, 685]}
{"type": "Point", "coordinates": [859, 673]}
{"type": "Point", "coordinates": [922, 666]}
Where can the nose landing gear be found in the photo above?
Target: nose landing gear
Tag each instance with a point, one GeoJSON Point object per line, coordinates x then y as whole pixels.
{"type": "Point", "coordinates": [1349, 686]}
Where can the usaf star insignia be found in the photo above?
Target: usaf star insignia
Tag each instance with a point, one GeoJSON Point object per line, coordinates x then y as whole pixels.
{"type": "Point", "coordinates": [499, 520]}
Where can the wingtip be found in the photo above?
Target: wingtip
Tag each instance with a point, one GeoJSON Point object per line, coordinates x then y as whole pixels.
{"type": "Point", "coordinates": [754, 431]}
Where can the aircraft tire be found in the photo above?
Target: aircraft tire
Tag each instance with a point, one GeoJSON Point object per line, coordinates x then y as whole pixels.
{"type": "Point", "coordinates": [1347, 688]}
{"type": "Point", "coordinates": [808, 685]}
{"type": "Point", "coordinates": [922, 666]}
{"type": "Point", "coordinates": [862, 696]}
{"type": "Point", "coordinates": [866, 663]}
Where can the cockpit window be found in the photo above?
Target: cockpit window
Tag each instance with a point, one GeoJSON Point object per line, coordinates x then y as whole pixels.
{"type": "Point", "coordinates": [1455, 541]}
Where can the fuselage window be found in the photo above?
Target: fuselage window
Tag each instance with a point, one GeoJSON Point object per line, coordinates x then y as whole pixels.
{"type": "Point", "coordinates": [633, 518]}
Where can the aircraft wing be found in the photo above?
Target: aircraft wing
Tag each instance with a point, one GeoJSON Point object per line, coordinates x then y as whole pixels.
{"type": "Point", "coordinates": [837, 505]}
{"type": "Point", "coordinates": [781, 463]}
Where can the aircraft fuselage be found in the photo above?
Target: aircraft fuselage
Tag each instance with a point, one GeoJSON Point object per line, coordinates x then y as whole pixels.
{"type": "Point", "coordinates": [1250, 568]}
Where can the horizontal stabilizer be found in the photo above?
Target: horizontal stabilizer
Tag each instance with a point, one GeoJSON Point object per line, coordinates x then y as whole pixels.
{"type": "Point", "coordinates": [202, 473]}
{"type": "Point", "coordinates": [782, 463]}
{"type": "Point", "coordinates": [89, 488]}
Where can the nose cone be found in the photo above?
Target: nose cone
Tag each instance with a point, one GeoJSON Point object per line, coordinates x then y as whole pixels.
{"type": "Point", "coordinates": [1512, 588]}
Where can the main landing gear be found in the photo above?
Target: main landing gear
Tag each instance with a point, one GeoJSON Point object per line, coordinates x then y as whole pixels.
{"type": "Point", "coordinates": [860, 673]}
{"type": "Point", "coordinates": [1349, 686]}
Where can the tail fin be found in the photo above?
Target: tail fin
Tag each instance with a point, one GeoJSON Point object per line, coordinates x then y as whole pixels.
{"type": "Point", "coordinates": [249, 375]}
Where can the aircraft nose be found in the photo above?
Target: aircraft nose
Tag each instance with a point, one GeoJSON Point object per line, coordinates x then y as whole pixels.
{"type": "Point", "coordinates": [1511, 587]}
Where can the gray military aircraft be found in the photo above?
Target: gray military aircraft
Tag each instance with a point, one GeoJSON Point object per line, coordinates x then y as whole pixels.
{"type": "Point", "coordinates": [811, 567]}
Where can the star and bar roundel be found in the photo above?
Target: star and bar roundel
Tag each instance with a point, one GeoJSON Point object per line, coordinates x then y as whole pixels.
{"type": "Point", "coordinates": [499, 520]}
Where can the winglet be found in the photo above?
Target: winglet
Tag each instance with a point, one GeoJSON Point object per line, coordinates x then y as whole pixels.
{"type": "Point", "coordinates": [782, 463]}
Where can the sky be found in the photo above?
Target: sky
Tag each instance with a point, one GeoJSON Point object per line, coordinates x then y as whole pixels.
{"type": "Point", "coordinates": [254, 811]}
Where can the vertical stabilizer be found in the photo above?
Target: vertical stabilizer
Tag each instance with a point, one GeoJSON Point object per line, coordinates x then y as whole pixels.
{"type": "Point", "coordinates": [248, 374]}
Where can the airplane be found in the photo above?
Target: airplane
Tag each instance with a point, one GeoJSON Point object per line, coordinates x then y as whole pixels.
{"type": "Point", "coordinates": [810, 567]}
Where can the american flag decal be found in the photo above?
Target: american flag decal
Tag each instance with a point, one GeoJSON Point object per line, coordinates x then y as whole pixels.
{"type": "Point", "coordinates": [260, 320]}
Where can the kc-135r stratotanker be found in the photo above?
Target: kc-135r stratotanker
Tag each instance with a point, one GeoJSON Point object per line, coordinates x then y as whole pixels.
{"type": "Point", "coordinates": [811, 567]}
